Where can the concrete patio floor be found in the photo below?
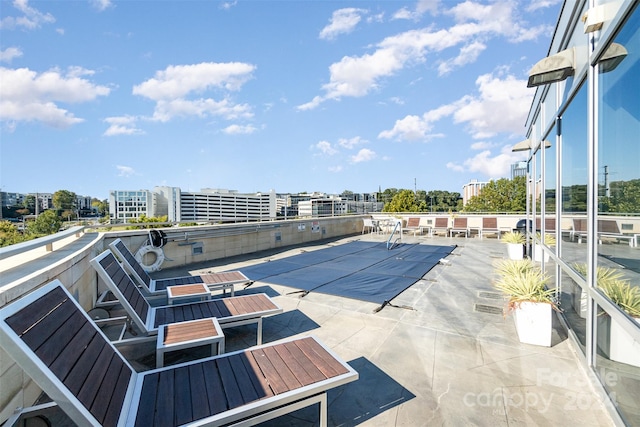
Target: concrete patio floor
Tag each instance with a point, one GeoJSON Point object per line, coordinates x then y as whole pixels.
{"type": "Point", "coordinates": [442, 354]}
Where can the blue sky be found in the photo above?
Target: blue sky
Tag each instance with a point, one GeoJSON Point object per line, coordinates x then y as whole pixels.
{"type": "Point", "coordinates": [257, 95]}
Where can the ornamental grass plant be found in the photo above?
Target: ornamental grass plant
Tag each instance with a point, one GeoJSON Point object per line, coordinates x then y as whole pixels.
{"type": "Point", "coordinates": [512, 237]}
{"type": "Point", "coordinates": [525, 284]}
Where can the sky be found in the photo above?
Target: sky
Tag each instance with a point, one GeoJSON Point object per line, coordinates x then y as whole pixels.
{"type": "Point", "coordinates": [253, 96]}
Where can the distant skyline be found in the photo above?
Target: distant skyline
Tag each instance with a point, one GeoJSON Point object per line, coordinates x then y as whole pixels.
{"type": "Point", "coordinates": [252, 96]}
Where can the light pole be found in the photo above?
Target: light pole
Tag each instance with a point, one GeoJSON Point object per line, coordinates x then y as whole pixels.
{"type": "Point", "coordinates": [431, 197]}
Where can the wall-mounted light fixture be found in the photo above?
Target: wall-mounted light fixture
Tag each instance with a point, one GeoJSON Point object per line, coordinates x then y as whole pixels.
{"type": "Point", "coordinates": [612, 57]}
{"type": "Point", "coordinates": [595, 17]}
{"type": "Point", "coordinates": [526, 145]}
{"type": "Point", "coordinates": [553, 68]}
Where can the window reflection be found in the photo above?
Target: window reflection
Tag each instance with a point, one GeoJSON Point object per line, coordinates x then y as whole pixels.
{"type": "Point", "coordinates": [618, 221]}
{"type": "Point", "coordinates": [574, 178]}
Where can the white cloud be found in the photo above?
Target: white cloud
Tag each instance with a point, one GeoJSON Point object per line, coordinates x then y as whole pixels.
{"type": "Point", "coordinates": [125, 171]}
{"type": "Point", "coordinates": [30, 19]}
{"type": "Point", "coordinates": [501, 106]}
{"type": "Point", "coordinates": [101, 5]}
{"type": "Point", "coordinates": [335, 169]}
{"type": "Point", "coordinates": [481, 145]}
{"type": "Point", "coordinates": [541, 4]}
{"type": "Point", "coordinates": [239, 130]}
{"type": "Point", "coordinates": [468, 54]}
{"type": "Point", "coordinates": [364, 155]}
{"type": "Point", "coordinates": [177, 81]}
{"type": "Point", "coordinates": [9, 53]}
{"type": "Point", "coordinates": [325, 148]}
{"type": "Point", "coordinates": [26, 95]}
{"type": "Point", "coordinates": [455, 167]}
{"type": "Point", "coordinates": [166, 110]}
{"type": "Point", "coordinates": [351, 142]}
{"type": "Point", "coordinates": [476, 24]}
{"type": "Point", "coordinates": [416, 128]}
{"type": "Point", "coordinates": [422, 7]}
{"type": "Point", "coordinates": [170, 88]}
{"type": "Point", "coordinates": [228, 4]}
{"type": "Point", "coordinates": [123, 125]}
{"type": "Point", "coordinates": [492, 167]}
{"type": "Point", "coordinates": [343, 21]}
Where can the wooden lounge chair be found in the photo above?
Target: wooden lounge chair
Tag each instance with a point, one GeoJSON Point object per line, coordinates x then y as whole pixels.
{"type": "Point", "coordinates": [231, 311]}
{"type": "Point", "coordinates": [54, 341]}
{"type": "Point", "coordinates": [413, 224]}
{"type": "Point", "coordinates": [490, 226]}
{"type": "Point", "coordinates": [441, 224]}
{"type": "Point", "coordinates": [459, 226]}
{"type": "Point", "coordinates": [214, 281]}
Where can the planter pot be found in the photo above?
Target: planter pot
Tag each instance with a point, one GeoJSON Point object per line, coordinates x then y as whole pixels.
{"type": "Point", "coordinates": [616, 344]}
{"type": "Point", "coordinates": [534, 323]}
{"type": "Point", "coordinates": [579, 301]}
{"type": "Point", "coordinates": [515, 250]}
{"type": "Point", "coordinates": [539, 253]}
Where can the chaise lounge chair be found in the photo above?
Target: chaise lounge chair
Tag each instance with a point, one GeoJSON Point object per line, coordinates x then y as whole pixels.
{"type": "Point", "coordinates": [459, 226]}
{"type": "Point", "coordinates": [213, 281]}
{"type": "Point", "coordinates": [53, 340]}
{"type": "Point", "coordinates": [441, 224]}
{"type": "Point", "coordinates": [231, 311]}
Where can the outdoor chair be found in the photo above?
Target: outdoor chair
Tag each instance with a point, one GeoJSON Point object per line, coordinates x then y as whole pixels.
{"type": "Point", "coordinates": [441, 225]}
{"type": "Point", "coordinates": [229, 312]}
{"type": "Point", "coordinates": [490, 226]}
{"type": "Point", "coordinates": [213, 281]}
{"type": "Point", "coordinates": [413, 224]}
{"type": "Point", "coordinates": [459, 226]}
{"type": "Point", "coordinates": [57, 345]}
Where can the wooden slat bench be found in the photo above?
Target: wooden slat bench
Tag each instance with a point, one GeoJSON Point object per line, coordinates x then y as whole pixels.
{"type": "Point", "coordinates": [54, 341]}
{"type": "Point", "coordinates": [231, 311]}
{"type": "Point", "coordinates": [607, 228]}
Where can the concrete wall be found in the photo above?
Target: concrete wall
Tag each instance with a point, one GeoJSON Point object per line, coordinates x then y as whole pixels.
{"type": "Point", "coordinates": [70, 264]}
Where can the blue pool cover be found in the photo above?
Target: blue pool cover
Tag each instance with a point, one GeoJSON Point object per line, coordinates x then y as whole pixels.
{"type": "Point", "coordinates": [366, 271]}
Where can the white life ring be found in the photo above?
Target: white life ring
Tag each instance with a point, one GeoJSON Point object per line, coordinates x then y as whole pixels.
{"type": "Point", "coordinates": [159, 253]}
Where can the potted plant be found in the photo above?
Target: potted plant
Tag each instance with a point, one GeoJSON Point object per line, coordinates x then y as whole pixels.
{"type": "Point", "coordinates": [529, 300]}
{"type": "Point", "coordinates": [548, 240]}
{"type": "Point", "coordinates": [515, 244]}
{"type": "Point", "coordinates": [616, 343]}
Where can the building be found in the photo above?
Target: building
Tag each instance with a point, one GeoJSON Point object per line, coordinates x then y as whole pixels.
{"type": "Point", "coordinates": [216, 205]}
{"type": "Point", "coordinates": [518, 169]}
{"type": "Point", "coordinates": [127, 205]}
{"type": "Point", "coordinates": [207, 205]}
{"type": "Point", "coordinates": [472, 189]}
{"type": "Point", "coordinates": [322, 207]}
{"type": "Point", "coordinates": [583, 148]}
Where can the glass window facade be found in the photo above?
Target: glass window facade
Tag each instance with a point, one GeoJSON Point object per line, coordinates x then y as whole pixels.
{"type": "Point", "coordinates": [593, 167]}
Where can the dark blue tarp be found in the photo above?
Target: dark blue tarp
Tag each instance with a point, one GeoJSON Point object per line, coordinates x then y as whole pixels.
{"type": "Point", "coordinates": [366, 271]}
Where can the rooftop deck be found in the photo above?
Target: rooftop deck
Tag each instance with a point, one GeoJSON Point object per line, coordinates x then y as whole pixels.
{"type": "Point", "coordinates": [442, 354]}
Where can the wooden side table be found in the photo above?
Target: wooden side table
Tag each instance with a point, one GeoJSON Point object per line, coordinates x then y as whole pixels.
{"type": "Point", "coordinates": [196, 290]}
{"type": "Point", "coordinates": [194, 333]}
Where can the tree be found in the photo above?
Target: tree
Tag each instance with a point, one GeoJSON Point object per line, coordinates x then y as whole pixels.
{"type": "Point", "coordinates": [403, 201]}
{"type": "Point", "coordinates": [442, 201]}
{"type": "Point", "coordinates": [503, 195]}
{"type": "Point", "coordinates": [46, 223]}
{"type": "Point", "coordinates": [101, 206]}
{"type": "Point", "coordinates": [29, 203]}
{"type": "Point", "coordinates": [9, 234]}
{"type": "Point", "coordinates": [64, 199]}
